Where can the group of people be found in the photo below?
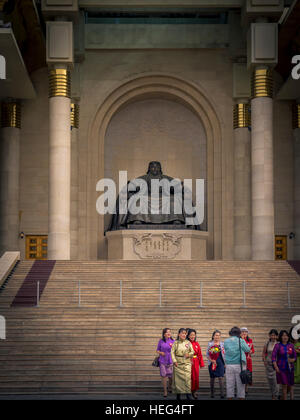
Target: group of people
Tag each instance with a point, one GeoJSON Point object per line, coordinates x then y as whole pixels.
{"type": "Point", "coordinates": [180, 361]}
{"type": "Point", "coordinates": [281, 356]}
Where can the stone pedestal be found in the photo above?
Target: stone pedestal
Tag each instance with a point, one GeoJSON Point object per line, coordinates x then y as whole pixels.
{"type": "Point", "coordinates": [181, 244]}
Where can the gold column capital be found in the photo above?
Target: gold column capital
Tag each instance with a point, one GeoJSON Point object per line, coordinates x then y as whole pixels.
{"type": "Point", "coordinates": [296, 115]}
{"type": "Point", "coordinates": [74, 115]}
{"type": "Point", "coordinates": [241, 115]}
{"type": "Point", "coordinates": [262, 83]}
{"type": "Point", "coordinates": [11, 114]}
{"type": "Point", "coordinates": [59, 83]}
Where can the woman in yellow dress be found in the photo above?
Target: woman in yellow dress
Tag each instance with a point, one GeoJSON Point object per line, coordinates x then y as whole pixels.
{"type": "Point", "coordinates": [182, 352]}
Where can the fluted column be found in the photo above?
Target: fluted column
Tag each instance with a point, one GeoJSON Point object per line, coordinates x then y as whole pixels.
{"type": "Point", "coordinates": [242, 180]}
{"type": "Point", "coordinates": [296, 128]}
{"type": "Point", "coordinates": [59, 163]}
{"type": "Point", "coordinates": [9, 176]}
{"type": "Point", "coordinates": [262, 165]}
{"type": "Point", "coordinates": [74, 180]}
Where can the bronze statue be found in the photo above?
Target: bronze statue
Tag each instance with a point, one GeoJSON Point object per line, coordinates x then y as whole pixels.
{"type": "Point", "coordinates": [157, 211]}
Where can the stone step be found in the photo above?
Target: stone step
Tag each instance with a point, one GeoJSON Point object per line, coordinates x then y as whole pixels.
{"type": "Point", "coordinates": [58, 346]}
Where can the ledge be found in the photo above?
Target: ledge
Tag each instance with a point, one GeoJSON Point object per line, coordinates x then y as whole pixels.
{"type": "Point", "coordinates": [17, 84]}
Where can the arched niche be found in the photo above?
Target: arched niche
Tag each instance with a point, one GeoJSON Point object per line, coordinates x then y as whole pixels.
{"type": "Point", "coordinates": [146, 88]}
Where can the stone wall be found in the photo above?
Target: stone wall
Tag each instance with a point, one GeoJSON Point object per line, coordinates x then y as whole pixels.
{"type": "Point", "coordinates": [104, 72]}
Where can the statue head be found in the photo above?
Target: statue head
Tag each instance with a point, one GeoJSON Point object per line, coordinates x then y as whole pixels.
{"type": "Point", "coordinates": [154, 168]}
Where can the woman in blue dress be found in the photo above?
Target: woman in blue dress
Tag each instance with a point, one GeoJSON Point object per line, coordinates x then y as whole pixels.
{"type": "Point", "coordinates": [215, 354]}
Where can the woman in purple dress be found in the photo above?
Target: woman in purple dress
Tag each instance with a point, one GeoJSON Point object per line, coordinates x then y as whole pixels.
{"type": "Point", "coordinates": [283, 358]}
{"type": "Point", "coordinates": [165, 360]}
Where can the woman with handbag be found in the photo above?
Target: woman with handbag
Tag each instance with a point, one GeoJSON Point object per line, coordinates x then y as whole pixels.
{"type": "Point", "coordinates": [235, 360]}
{"type": "Point", "coordinates": [249, 342]}
{"type": "Point", "coordinates": [283, 358]}
{"type": "Point", "coordinates": [163, 349]}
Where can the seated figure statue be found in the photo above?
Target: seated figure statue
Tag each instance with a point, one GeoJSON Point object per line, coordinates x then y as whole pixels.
{"type": "Point", "coordinates": [160, 207]}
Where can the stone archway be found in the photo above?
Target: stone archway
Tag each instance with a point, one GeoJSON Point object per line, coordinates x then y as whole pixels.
{"type": "Point", "coordinates": [159, 86]}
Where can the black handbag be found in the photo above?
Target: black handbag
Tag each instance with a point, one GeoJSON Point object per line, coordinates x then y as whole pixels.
{"type": "Point", "coordinates": [245, 375]}
{"type": "Point", "coordinates": [155, 362]}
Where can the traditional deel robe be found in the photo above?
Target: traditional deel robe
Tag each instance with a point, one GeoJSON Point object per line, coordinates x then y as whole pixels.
{"type": "Point", "coordinates": [197, 362]}
{"type": "Point", "coordinates": [182, 373]}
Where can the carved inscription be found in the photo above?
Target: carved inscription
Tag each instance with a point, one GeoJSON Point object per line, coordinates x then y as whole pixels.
{"type": "Point", "coordinates": [157, 246]}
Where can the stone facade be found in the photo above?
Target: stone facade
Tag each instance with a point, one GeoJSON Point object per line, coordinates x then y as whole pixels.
{"type": "Point", "coordinates": [194, 84]}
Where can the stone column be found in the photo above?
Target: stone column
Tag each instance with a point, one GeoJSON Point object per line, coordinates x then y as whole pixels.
{"type": "Point", "coordinates": [74, 180]}
{"type": "Point", "coordinates": [9, 176]}
{"type": "Point", "coordinates": [262, 164]}
{"type": "Point", "coordinates": [296, 127]}
{"type": "Point", "coordinates": [59, 163]}
{"type": "Point", "coordinates": [242, 180]}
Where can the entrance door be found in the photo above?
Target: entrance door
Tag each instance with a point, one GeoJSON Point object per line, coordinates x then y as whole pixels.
{"type": "Point", "coordinates": [280, 247]}
{"type": "Point", "coordinates": [36, 247]}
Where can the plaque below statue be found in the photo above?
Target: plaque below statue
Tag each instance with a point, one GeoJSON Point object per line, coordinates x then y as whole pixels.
{"type": "Point", "coordinates": [181, 244]}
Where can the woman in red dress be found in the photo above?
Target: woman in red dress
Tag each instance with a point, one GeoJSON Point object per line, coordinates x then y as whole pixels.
{"type": "Point", "coordinates": [249, 341]}
{"type": "Point", "coordinates": [197, 361]}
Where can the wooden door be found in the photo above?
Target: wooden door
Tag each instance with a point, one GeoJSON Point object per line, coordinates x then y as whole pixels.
{"type": "Point", "coordinates": [36, 247]}
{"type": "Point", "coordinates": [280, 247]}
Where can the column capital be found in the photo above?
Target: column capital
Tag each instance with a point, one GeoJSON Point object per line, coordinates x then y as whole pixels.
{"type": "Point", "coordinates": [59, 82]}
{"type": "Point", "coordinates": [241, 115]}
{"type": "Point", "coordinates": [262, 82]}
{"type": "Point", "coordinates": [296, 115]}
{"type": "Point", "coordinates": [11, 114]}
{"type": "Point", "coordinates": [74, 115]}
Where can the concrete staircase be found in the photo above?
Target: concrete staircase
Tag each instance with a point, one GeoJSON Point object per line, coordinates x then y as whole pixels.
{"type": "Point", "coordinates": [102, 348]}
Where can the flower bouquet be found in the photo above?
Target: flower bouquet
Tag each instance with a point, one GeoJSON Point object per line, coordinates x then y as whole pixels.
{"type": "Point", "coordinates": [214, 353]}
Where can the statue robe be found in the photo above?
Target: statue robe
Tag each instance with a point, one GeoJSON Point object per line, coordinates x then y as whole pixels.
{"type": "Point", "coordinates": [120, 221]}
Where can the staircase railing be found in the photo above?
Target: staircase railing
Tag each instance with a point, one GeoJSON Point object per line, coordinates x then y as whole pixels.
{"type": "Point", "coordinates": [203, 294]}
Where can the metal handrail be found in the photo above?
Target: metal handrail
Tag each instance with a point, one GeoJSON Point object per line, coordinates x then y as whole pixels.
{"type": "Point", "coordinates": [160, 301]}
